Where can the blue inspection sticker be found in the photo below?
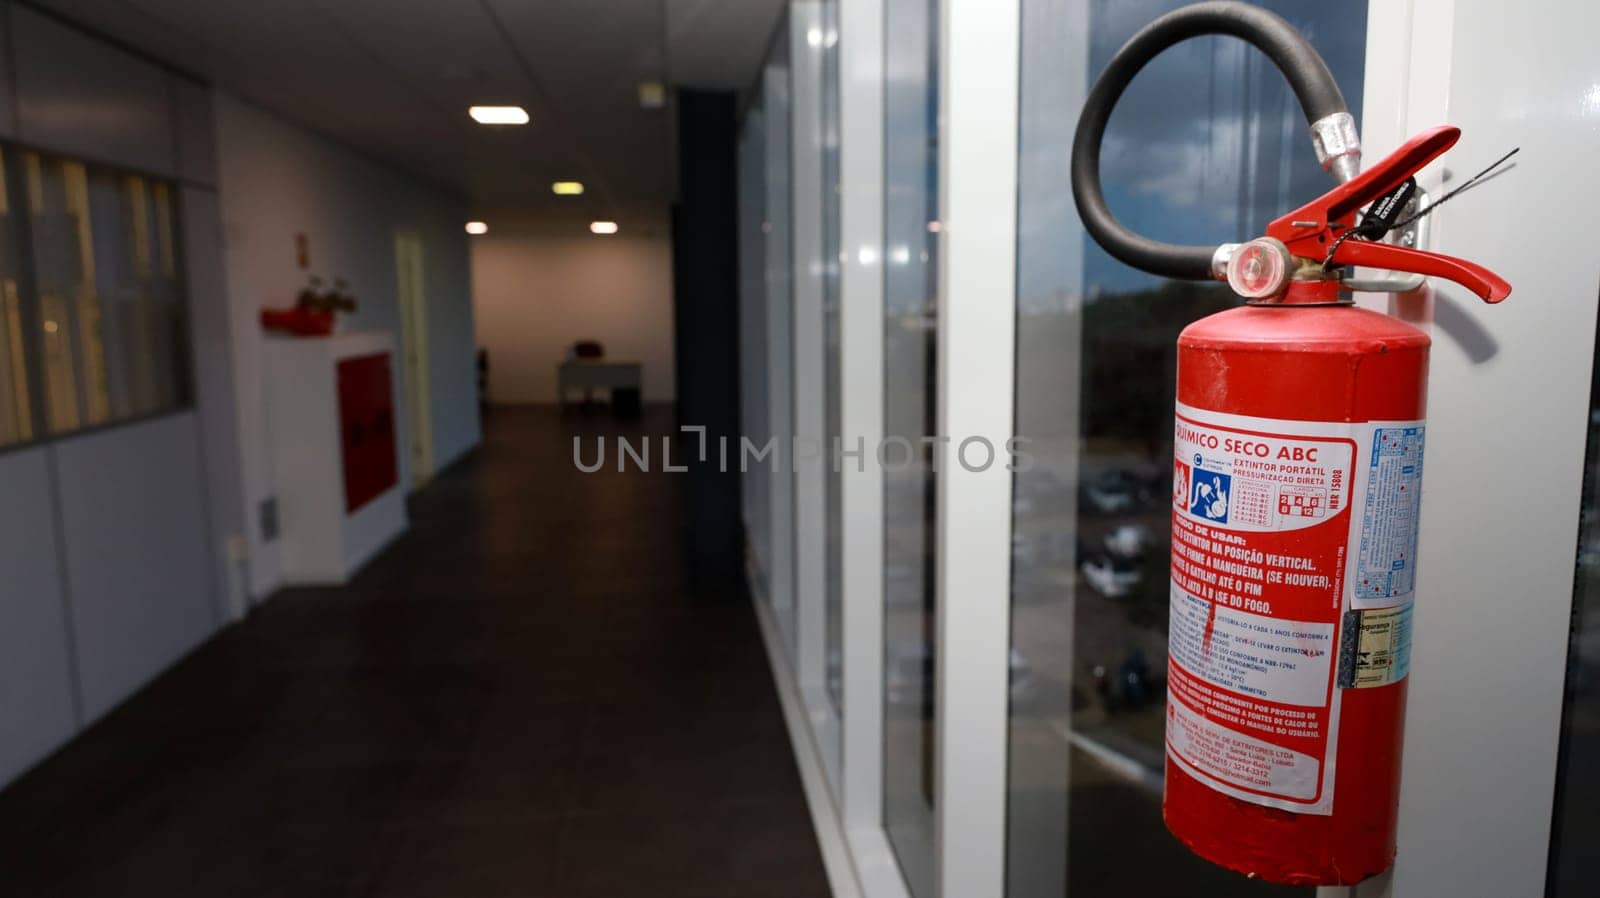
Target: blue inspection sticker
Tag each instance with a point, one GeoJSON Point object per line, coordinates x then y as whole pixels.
{"type": "Point", "coordinates": [1386, 563]}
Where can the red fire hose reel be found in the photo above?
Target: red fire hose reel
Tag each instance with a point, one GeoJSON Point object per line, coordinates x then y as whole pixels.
{"type": "Point", "coordinates": [1297, 473]}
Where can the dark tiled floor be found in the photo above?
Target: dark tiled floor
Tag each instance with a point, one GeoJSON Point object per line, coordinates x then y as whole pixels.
{"type": "Point", "coordinates": [520, 698]}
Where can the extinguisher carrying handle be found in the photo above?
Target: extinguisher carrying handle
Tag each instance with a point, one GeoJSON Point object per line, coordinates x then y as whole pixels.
{"type": "Point", "coordinates": [1332, 127]}
{"type": "Point", "coordinates": [1489, 287]}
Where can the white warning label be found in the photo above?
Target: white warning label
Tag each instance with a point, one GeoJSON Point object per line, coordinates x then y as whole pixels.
{"type": "Point", "coordinates": [1264, 657]}
{"type": "Point", "coordinates": [1250, 763]}
{"type": "Point", "coordinates": [1280, 529]}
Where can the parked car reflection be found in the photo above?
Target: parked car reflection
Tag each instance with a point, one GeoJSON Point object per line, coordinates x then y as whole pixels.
{"type": "Point", "coordinates": [1111, 576]}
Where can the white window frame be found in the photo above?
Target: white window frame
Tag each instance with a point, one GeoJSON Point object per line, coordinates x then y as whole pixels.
{"type": "Point", "coordinates": [980, 55]}
{"type": "Point", "coordinates": [861, 405]}
{"type": "Point", "coordinates": [807, 45]}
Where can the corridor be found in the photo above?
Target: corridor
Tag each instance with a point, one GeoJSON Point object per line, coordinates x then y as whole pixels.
{"type": "Point", "coordinates": [518, 698]}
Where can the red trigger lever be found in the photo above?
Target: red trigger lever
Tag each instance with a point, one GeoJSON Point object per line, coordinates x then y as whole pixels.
{"type": "Point", "coordinates": [1309, 231]}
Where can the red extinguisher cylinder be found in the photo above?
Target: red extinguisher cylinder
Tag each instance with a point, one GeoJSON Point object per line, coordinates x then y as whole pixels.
{"type": "Point", "coordinates": [1259, 753]}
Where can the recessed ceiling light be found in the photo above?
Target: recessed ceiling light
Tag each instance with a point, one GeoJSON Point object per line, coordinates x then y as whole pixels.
{"type": "Point", "coordinates": [566, 188]}
{"type": "Point", "coordinates": [652, 94]}
{"type": "Point", "coordinates": [477, 227]}
{"type": "Point", "coordinates": [499, 115]}
{"type": "Point", "coordinates": [603, 227]}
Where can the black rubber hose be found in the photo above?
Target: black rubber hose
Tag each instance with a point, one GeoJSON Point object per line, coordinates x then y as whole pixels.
{"type": "Point", "coordinates": [1309, 76]}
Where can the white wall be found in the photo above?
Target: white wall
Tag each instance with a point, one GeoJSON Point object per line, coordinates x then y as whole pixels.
{"type": "Point", "coordinates": [1508, 391]}
{"type": "Point", "coordinates": [38, 677]}
{"type": "Point", "coordinates": [276, 181]}
{"type": "Point", "coordinates": [537, 294]}
{"type": "Point", "coordinates": [142, 594]}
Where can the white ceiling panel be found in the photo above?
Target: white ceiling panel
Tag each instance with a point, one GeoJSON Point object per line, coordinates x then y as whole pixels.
{"type": "Point", "coordinates": [718, 44]}
{"type": "Point", "coordinates": [393, 79]}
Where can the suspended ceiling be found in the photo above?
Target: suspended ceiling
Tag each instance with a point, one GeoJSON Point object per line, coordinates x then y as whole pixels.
{"type": "Point", "coordinates": [393, 79]}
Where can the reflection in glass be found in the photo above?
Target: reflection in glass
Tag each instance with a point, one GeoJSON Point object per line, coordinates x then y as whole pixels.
{"type": "Point", "coordinates": [911, 179]}
{"type": "Point", "coordinates": [1207, 145]}
{"type": "Point", "coordinates": [1577, 818]}
{"type": "Point", "coordinates": [111, 305]}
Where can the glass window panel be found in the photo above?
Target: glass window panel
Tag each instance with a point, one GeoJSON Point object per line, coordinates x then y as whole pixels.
{"type": "Point", "coordinates": [1208, 144]}
{"type": "Point", "coordinates": [756, 487]}
{"type": "Point", "coordinates": [112, 320]}
{"type": "Point", "coordinates": [58, 203]}
{"type": "Point", "coordinates": [911, 179]}
{"type": "Point", "coordinates": [16, 398]}
{"type": "Point", "coordinates": [779, 254]}
{"type": "Point", "coordinates": [1577, 816]}
{"type": "Point", "coordinates": [832, 499]}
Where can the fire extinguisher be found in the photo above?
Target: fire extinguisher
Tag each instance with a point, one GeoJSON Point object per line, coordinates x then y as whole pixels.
{"type": "Point", "coordinates": [1297, 471]}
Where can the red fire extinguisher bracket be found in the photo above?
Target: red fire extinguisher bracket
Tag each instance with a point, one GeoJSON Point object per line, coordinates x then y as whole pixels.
{"type": "Point", "coordinates": [1297, 480]}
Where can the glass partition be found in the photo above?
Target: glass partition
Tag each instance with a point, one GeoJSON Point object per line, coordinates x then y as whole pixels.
{"type": "Point", "coordinates": [106, 266]}
{"type": "Point", "coordinates": [911, 178]}
{"type": "Point", "coordinates": [93, 328]}
{"type": "Point", "coordinates": [1207, 145]}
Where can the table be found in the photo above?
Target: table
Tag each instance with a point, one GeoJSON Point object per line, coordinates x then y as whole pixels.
{"type": "Point", "coordinates": [592, 373]}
